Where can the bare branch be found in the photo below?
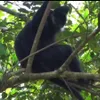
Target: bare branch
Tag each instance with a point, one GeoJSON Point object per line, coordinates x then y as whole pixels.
{"type": "Point", "coordinates": [25, 77]}
{"type": "Point", "coordinates": [37, 37]}
{"type": "Point", "coordinates": [68, 61]}
{"type": "Point", "coordinates": [22, 16]}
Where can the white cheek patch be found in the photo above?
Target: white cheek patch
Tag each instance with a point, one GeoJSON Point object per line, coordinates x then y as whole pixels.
{"type": "Point", "coordinates": [57, 24]}
{"type": "Point", "coordinates": [62, 29]}
{"type": "Point", "coordinates": [19, 64]}
{"type": "Point", "coordinates": [53, 19]}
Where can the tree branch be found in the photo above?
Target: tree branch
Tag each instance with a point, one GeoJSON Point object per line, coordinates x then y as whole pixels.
{"type": "Point", "coordinates": [25, 77]}
{"type": "Point", "coordinates": [37, 37]}
{"type": "Point", "coordinates": [22, 16]}
{"type": "Point", "coordinates": [68, 61]}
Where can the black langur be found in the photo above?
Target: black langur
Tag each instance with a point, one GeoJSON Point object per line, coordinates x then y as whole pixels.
{"type": "Point", "coordinates": [53, 57]}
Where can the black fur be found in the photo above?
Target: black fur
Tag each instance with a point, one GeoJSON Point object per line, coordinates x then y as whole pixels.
{"type": "Point", "coordinates": [53, 57]}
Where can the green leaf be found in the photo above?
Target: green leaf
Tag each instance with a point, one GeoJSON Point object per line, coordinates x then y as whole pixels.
{"type": "Point", "coordinates": [2, 49]}
{"type": "Point", "coordinates": [4, 95]}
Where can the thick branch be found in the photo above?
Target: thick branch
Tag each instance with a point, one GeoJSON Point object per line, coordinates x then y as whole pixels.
{"type": "Point", "coordinates": [25, 77]}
